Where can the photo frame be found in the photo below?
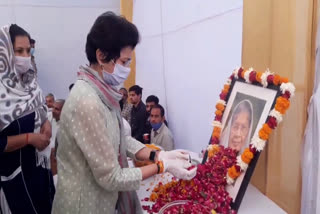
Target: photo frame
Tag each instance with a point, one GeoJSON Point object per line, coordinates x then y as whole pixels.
{"type": "Point", "coordinates": [251, 105]}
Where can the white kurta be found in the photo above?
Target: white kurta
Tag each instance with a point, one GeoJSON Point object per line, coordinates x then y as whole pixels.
{"type": "Point", "coordinates": [90, 176]}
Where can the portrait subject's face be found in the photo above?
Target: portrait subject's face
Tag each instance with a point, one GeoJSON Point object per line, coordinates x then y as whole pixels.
{"type": "Point", "coordinates": [239, 130]}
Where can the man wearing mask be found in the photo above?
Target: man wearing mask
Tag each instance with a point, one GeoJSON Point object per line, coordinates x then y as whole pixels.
{"type": "Point", "coordinates": [160, 134]}
{"type": "Point", "coordinates": [125, 106]}
{"type": "Point", "coordinates": [32, 50]}
{"type": "Point", "coordinates": [151, 101]}
{"type": "Point", "coordinates": [138, 113]}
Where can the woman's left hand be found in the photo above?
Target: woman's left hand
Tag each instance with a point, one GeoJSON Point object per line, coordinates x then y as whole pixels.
{"type": "Point", "coordinates": [172, 155]}
{"type": "Point", "coordinates": [46, 129]}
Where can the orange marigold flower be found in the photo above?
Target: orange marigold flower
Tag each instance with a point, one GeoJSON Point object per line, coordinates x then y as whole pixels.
{"type": "Point", "coordinates": [218, 112]}
{"type": "Point", "coordinates": [226, 87]}
{"type": "Point", "coordinates": [210, 153]}
{"type": "Point", "coordinates": [242, 74]}
{"type": "Point", "coordinates": [283, 80]}
{"type": "Point", "coordinates": [267, 129]}
{"type": "Point", "coordinates": [216, 129]}
{"type": "Point", "coordinates": [220, 107]}
{"type": "Point", "coordinates": [216, 134]}
{"type": "Point", "coordinates": [258, 76]}
{"type": "Point", "coordinates": [276, 79]}
{"type": "Point", "coordinates": [263, 135]}
{"type": "Point", "coordinates": [247, 156]}
{"type": "Point", "coordinates": [153, 196]}
{"type": "Point", "coordinates": [233, 173]}
{"type": "Point", "coordinates": [282, 105]}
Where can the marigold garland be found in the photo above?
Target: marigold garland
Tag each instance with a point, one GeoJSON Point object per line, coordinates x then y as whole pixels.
{"type": "Point", "coordinates": [275, 117]}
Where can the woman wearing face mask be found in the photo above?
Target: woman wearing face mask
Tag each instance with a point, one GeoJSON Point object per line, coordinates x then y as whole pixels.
{"type": "Point", "coordinates": [25, 179]}
{"type": "Point", "coordinates": [92, 155]}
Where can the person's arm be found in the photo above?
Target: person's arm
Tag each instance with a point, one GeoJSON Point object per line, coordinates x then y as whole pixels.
{"type": "Point", "coordinates": [46, 129]}
{"type": "Point", "coordinates": [12, 143]}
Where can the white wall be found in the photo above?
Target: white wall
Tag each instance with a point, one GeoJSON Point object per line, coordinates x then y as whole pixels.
{"type": "Point", "coordinates": [60, 28]}
{"type": "Point", "coordinates": [188, 49]}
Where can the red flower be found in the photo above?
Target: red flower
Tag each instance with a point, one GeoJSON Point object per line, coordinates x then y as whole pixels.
{"type": "Point", "coordinates": [214, 140]}
{"type": "Point", "coordinates": [252, 76]}
{"type": "Point", "coordinates": [218, 118]}
{"type": "Point", "coordinates": [286, 95]}
{"type": "Point", "coordinates": [270, 79]}
{"type": "Point", "coordinates": [252, 149]}
{"type": "Point", "coordinates": [223, 96]}
{"type": "Point", "coordinates": [272, 122]}
{"type": "Point", "coordinates": [239, 72]}
{"type": "Point", "coordinates": [205, 192]}
{"type": "Point", "coordinates": [238, 168]}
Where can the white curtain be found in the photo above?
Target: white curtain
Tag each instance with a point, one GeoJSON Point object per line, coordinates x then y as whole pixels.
{"type": "Point", "coordinates": [310, 200]}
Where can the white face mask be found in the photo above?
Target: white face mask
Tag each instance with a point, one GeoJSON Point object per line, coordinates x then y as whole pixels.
{"type": "Point", "coordinates": [22, 64]}
{"type": "Point", "coordinates": [119, 75]}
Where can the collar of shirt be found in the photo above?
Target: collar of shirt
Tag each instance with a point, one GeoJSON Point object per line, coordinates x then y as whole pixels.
{"type": "Point", "coordinates": [159, 130]}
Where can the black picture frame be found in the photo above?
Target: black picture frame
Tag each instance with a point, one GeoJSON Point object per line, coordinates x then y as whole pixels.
{"type": "Point", "coordinates": [235, 205]}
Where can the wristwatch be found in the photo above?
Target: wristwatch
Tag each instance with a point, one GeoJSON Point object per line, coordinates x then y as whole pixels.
{"type": "Point", "coordinates": [152, 155]}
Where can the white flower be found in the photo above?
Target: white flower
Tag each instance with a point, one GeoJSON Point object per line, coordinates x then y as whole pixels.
{"type": "Point", "coordinates": [229, 180]}
{"type": "Point", "coordinates": [264, 78]}
{"type": "Point", "coordinates": [235, 72]}
{"type": "Point", "coordinates": [242, 164]}
{"type": "Point", "coordinates": [217, 124]}
{"type": "Point", "coordinates": [274, 113]}
{"type": "Point", "coordinates": [288, 87]}
{"type": "Point", "coordinates": [222, 102]}
{"type": "Point", "coordinates": [247, 75]}
{"type": "Point", "coordinates": [258, 143]}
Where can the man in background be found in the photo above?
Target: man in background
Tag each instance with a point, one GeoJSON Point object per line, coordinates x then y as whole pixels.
{"type": "Point", "coordinates": [151, 101]}
{"type": "Point", "coordinates": [160, 134]}
{"type": "Point", "coordinates": [138, 113]}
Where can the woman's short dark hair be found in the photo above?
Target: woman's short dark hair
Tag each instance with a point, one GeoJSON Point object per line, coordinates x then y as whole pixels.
{"type": "Point", "coordinates": [110, 33]}
{"type": "Point", "coordinates": [15, 31]}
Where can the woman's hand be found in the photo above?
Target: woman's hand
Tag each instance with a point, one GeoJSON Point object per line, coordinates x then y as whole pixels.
{"type": "Point", "coordinates": [179, 168]}
{"type": "Point", "coordinates": [46, 129]}
{"type": "Point", "coordinates": [172, 155]}
{"type": "Point", "coordinates": [40, 141]}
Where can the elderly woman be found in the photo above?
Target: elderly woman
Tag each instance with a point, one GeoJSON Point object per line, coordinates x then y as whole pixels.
{"type": "Point", "coordinates": [25, 179]}
{"type": "Point", "coordinates": [236, 134]}
{"type": "Point", "coordinates": [92, 155]}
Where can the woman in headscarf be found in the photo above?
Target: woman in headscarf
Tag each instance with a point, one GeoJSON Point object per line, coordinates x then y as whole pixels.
{"type": "Point", "coordinates": [236, 134]}
{"type": "Point", "coordinates": [92, 154]}
{"type": "Point", "coordinates": [25, 179]}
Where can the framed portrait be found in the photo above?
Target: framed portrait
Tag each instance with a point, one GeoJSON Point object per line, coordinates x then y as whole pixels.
{"type": "Point", "coordinates": [251, 103]}
{"type": "Point", "coordinates": [246, 111]}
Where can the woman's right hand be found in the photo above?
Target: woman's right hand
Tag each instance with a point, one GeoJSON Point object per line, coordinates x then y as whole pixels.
{"type": "Point", "coordinates": [179, 168]}
{"type": "Point", "coordinates": [40, 141]}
